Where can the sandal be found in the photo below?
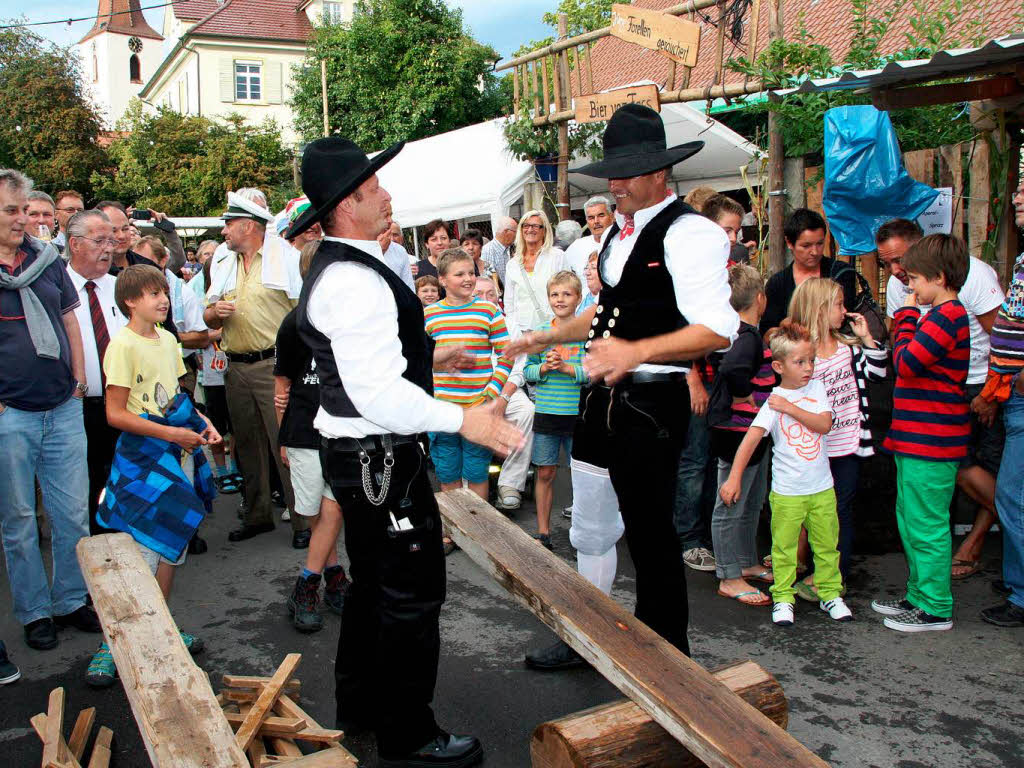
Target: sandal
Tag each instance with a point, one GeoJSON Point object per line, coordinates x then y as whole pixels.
{"type": "Point", "coordinates": [972, 566]}
{"type": "Point", "coordinates": [228, 484]}
{"type": "Point", "coordinates": [761, 600]}
{"type": "Point", "coordinates": [766, 576]}
{"type": "Point", "coordinates": [809, 592]}
{"type": "Point", "coordinates": [801, 568]}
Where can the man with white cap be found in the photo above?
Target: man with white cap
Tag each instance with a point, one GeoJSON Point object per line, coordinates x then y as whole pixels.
{"type": "Point", "coordinates": [253, 285]}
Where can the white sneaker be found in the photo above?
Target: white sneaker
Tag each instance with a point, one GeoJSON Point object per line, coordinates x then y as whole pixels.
{"type": "Point", "coordinates": [837, 609]}
{"type": "Point", "coordinates": [699, 558]}
{"type": "Point", "coordinates": [286, 516]}
{"type": "Point", "coordinates": [782, 614]}
{"type": "Point", "coordinates": [508, 498]}
{"type": "Point", "coordinates": [567, 512]}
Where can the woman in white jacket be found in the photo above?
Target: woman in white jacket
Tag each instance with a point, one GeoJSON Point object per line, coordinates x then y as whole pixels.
{"type": "Point", "coordinates": [527, 274]}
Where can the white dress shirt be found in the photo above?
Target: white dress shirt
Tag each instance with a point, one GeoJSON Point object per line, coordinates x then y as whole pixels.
{"type": "Point", "coordinates": [397, 258]}
{"type": "Point", "coordinates": [192, 322]}
{"type": "Point", "coordinates": [521, 310]}
{"type": "Point", "coordinates": [354, 307]}
{"type": "Point", "coordinates": [696, 253]}
{"type": "Point", "coordinates": [115, 322]}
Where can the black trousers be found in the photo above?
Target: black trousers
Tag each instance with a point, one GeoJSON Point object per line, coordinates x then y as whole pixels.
{"type": "Point", "coordinates": [102, 440]}
{"type": "Point", "coordinates": [390, 641]}
{"type": "Point", "coordinates": [645, 428]}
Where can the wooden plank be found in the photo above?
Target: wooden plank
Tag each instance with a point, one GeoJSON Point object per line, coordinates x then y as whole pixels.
{"type": "Point", "coordinates": [272, 726]}
{"type": "Point", "coordinates": [255, 681]}
{"type": "Point", "coordinates": [945, 93]}
{"type": "Point", "coordinates": [286, 707]}
{"type": "Point", "coordinates": [244, 695]}
{"type": "Point", "coordinates": [515, 92]}
{"type": "Point", "coordinates": [179, 719]}
{"type": "Point", "coordinates": [545, 93]}
{"type": "Point", "coordinates": [920, 164]}
{"type": "Point", "coordinates": [327, 758]}
{"type": "Point", "coordinates": [54, 749]}
{"type": "Point", "coordinates": [265, 702]}
{"type": "Point", "coordinates": [590, 69]}
{"type": "Point", "coordinates": [100, 757]}
{"type": "Point", "coordinates": [596, 107]}
{"type": "Point", "coordinates": [681, 696]}
{"type": "Point", "coordinates": [80, 733]}
{"type": "Point", "coordinates": [557, 84]}
{"type": "Point", "coordinates": [536, 90]}
{"type": "Point", "coordinates": [952, 158]}
{"type": "Point", "coordinates": [621, 735]}
{"type": "Point", "coordinates": [285, 747]}
{"type": "Point", "coordinates": [256, 751]}
{"type": "Point", "coordinates": [671, 36]}
{"type": "Point", "coordinates": [980, 193]}
{"type": "Point", "coordinates": [39, 724]}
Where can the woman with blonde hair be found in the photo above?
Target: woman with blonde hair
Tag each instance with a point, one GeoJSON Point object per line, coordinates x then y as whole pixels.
{"type": "Point", "coordinates": [527, 274]}
{"type": "Point", "coordinates": [846, 356]}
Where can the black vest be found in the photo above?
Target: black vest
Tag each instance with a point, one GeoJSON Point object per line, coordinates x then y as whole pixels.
{"type": "Point", "coordinates": [417, 347]}
{"type": "Point", "coordinates": [643, 303]}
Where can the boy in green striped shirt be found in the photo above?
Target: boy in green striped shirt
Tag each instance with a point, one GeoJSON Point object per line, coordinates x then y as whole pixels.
{"type": "Point", "coordinates": [557, 375]}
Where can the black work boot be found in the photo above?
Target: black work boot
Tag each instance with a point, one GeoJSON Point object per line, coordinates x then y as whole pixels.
{"type": "Point", "coordinates": [336, 585]}
{"type": "Point", "coordinates": [302, 604]}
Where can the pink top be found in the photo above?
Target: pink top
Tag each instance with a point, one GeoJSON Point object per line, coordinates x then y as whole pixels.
{"type": "Point", "coordinates": [836, 374]}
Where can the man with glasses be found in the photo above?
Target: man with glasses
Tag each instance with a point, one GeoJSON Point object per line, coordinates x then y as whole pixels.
{"type": "Point", "coordinates": [497, 252]}
{"type": "Point", "coordinates": [68, 204]}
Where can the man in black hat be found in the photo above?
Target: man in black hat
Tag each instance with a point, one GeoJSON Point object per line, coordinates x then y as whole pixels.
{"type": "Point", "coordinates": [374, 360]}
{"type": "Point", "coordinates": [664, 301]}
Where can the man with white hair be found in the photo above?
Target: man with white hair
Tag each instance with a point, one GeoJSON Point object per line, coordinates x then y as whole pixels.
{"type": "Point", "coordinates": [498, 251]}
{"type": "Point", "coordinates": [598, 211]}
{"type": "Point", "coordinates": [254, 283]}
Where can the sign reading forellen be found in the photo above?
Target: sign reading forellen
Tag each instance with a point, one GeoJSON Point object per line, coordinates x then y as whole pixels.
{"type": "Point", "coordinates": [601, 106]}
{"type": "Point", "coordinates": [677, 38]}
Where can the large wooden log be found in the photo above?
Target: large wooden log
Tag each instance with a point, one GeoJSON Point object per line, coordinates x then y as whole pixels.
{"type": "Point", "coordinates": [621, 735]}
{"type": "Point", "coordinates": [685, 699]}
{"type": "Point", "coordinates": [178, 716]}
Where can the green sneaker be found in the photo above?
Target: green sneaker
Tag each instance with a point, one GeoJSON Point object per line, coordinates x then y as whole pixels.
{"type": "Point", "coordinates": [192, 643]}
{"type": "Point", "coordinates": [102, 673]}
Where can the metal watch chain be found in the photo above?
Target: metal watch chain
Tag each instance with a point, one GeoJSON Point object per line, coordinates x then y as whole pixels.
{"type": "Point", "coordinates": [389, 462]}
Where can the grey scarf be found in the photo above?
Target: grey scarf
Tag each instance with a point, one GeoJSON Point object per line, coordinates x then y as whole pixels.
{"type": "Point", "coordinates": [40, 329]}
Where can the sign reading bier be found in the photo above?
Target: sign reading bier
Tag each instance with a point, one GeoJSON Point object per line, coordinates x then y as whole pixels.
{"type": "Point", "coordinates": [677, 38]}
{"type": "Point", "coordinates": [601, 106]}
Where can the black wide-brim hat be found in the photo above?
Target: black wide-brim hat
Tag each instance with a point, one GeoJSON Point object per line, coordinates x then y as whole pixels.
{"type": "Point", "coordinates": [333, 168]}
{"type": "Point", "coordinates": [634, 145]}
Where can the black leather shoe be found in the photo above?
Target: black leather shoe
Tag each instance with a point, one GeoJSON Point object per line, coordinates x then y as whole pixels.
{"type": "Point", "coordinates": [555, 657]}
{"type": "Point", "coordinates": [1005, 615]}
{"type": "Point", "coordinates": [197, 545]}
{"type": "Point", "coordinates": [248, 531]}
{"type": "Point", "coordinates": [1000, 588]}
{"type": "Point", "coordinates": [447, 750]}
{"type": "Point", "coordinates": [300, 539]}
{"type": "Point", "coordinates": [41, 634]}
{"type": "Point", "coordinates": [83, 619]}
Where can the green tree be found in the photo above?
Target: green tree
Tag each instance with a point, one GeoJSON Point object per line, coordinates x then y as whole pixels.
{"type": "Point", "coordinates": [49, 130]}
{"type": "Point", "coordinates": [184, 164]}
{"type": "Point", "coordinates": [583, 15]}
{"type": "Point", "coordinates": [401, 70]}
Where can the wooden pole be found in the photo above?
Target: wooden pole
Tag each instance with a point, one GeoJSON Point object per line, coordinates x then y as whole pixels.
{"type": "Point", "coordinates": [590, 69]}
{"type": "Point", "coordinates": [564, 102]}
{"type": "Point", "coordinates": [536, 90]}
{"type": "Point", "coordinates": [776, 160]}
{"type": "Point", "coordinates": [323, 93]}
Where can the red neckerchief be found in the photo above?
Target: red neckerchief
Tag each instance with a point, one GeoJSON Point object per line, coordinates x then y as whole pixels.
{"type": "Point", "coordinates": [627, 228]}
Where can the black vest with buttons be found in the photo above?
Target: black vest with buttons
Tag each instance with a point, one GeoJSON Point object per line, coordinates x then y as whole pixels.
{"type": "Point", "coordinates": [643, 303]}
{"type": "Point", "coordinates": [417, 346]}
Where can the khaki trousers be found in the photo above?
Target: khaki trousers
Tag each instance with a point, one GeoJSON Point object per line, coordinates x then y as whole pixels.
{"type": "Point", "coordinates": [250, 396]}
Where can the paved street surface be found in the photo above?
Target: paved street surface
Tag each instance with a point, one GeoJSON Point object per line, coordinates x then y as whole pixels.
{"type": "Point", "coordinates": [860, 695]}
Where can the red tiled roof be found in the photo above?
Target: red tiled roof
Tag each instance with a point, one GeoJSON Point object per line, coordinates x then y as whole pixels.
{"type": "Point", "coordinates": [122, 17]}
{"type": "Point", "coordinates": [194, 10]}
{"type": "Point", "coordinates": [257, 20]}
{"type": "Point", "coordinates": [827, 23]}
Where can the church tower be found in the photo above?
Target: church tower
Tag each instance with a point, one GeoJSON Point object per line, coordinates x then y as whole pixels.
{"type": "Point", "coordinates": [119, 54]}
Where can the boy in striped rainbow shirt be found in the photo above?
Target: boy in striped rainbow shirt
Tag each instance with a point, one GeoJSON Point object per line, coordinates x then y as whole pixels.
{"type": "Point", "coordinates": [478, 328]}
{"type": "Point", "coordinates": [930, 428]}
{"type": "Point", "coordinates": [557, 375]}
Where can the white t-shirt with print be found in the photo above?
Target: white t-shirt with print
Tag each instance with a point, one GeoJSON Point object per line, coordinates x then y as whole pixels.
{"type": "Point", "coordinates": [836, 376]}
{"type": "Point", "coordinates": [800, 458]}
{"type": "Point", "coordinates": [981, 293]}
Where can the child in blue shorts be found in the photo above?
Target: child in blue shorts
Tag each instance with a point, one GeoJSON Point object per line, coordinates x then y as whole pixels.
{"type": "Point", "coordinates": [557, 375]}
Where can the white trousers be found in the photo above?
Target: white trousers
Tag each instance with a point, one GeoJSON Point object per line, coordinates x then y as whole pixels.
{"type": "Point", "coordinates": [514, 469]}
{"type": "Point", "coordinates": [596, 524]}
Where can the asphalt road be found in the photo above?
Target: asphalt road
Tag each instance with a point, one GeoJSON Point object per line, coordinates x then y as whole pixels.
{"type": "Point", "coordinates": [860, 695]}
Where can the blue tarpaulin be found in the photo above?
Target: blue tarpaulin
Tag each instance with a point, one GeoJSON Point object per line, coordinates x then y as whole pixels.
{"type": "Point", "coordinates": [866, 184]}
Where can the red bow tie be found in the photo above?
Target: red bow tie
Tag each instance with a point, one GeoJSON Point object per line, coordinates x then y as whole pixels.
{"type": "Point", "coordinates": [627, 228]}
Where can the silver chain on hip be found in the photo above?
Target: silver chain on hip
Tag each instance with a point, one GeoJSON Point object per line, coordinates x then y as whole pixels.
{"type": "Point", "coordinates": [389, 462]}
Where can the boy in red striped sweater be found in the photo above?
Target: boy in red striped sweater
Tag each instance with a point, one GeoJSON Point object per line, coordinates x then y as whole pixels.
{"type": "Point", "coordinates": [930, 428]}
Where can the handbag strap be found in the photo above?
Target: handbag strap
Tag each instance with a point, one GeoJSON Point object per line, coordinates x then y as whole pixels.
{"type": "Point", "coordinates": [529, 289]}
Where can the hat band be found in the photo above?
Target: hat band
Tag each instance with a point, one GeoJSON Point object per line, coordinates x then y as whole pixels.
{"type": "Point", "coordinates": [640, 148]}
{"type": "Point", "coordinates": [234, 212]}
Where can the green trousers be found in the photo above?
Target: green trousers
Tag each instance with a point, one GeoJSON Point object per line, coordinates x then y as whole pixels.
{"type": "Point", "coordinates": [817, 513]}
{"type": "Point", "coordinates": [924, 490]}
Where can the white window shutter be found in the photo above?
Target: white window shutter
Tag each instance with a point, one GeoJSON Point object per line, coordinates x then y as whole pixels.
{"type": "Point", "coordinates": [227, 80]}
{"type": "Point", "coordinates": [272, 73]}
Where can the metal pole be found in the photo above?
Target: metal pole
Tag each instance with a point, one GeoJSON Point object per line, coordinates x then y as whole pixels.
{"type": "Point", "coordinates": [776, 161]}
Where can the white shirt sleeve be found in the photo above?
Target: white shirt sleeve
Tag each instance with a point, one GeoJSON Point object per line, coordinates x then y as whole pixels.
{"type": "Point", "coordinates": [894, 295]}
{"type": "Point", "coordinates": [193, 311]}
{"type": "Point", "coordinates": [697, 251]}
{"type": "Point", "coordinates": [356, 310]}
{"type": "Point", "coordinates": [981, 293]}
{"type": "Point", "coordinates": [765, 418]}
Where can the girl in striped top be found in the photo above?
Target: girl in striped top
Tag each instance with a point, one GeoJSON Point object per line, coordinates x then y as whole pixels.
{"type": "Point", "coordinates": [844, 361]}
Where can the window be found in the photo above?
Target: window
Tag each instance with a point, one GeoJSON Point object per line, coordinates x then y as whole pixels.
{"type": "Point", "coordinates": [248, 81]}
{"type": "Point", "coordinates": [333, 12]}
{"type": "Point", "coordinates": [135, 69]}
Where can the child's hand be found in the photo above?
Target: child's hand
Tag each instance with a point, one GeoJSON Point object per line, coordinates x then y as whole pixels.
{"type": "Point", "coordinates": [553, 358]}
{"type": "Point", "coordinates": [187, 438]}
{"type": "Point", "coordinates": [730, 491]}
{"type": "Point", "coordinates": [211, 435]}
{"type": "Point", "coordinates": [779, 404]}
{"type": "Point", "coordinates": [910, 300]}
{"type": "Point", "coordinates": [859, 326]}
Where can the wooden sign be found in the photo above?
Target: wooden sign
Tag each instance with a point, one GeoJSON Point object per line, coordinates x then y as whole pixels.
{"type": "Point", "coordinates": [677, 38]}
{"type": "Point", "coordinates": [601, 106]}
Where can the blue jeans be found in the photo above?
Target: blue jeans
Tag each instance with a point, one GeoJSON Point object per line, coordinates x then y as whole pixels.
{"type": "Point", "coordinates": [696, 487]}
{"type": "Point", "coordinates": [48, 445]}
{"type": "Point", "coordinates": [1010, 498]}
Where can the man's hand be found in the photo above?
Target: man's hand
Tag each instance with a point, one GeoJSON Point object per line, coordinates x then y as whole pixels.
{"type": "Point", "coordinates": [224, 309]}
{"type": "Point", "coordinates": [452, 358]}
{"type": "Point", "coordinates": [985, 410]}
{"type": "Point", "coordinates": [530, 343]}
{"type": "Point", "coordinates": [780, 404]}
{"type": "Point", "coordinates": [211, 435]}
{"type": "Point", "coordinates": [485, 425]}
{"type": "Point", "coordinates": [281, 400]}
{"type": "Point", "coordinates": [730, 491]}
{"type": "Point", "coordinates": [187, 438]}
{"type": "Point", "coordinates": [698, 394]}
{"type": "Point", "coordinates": [611, 359]}
{"type": "Point", "coordinates": [284, 457]}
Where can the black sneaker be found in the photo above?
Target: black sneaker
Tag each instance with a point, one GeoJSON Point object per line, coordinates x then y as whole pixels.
{"type": "Point", "coordinates": [916, 620]}
{"type": "Point", "coordinates": [336, 586]}
{"type": "Point", "coordinates": [277, 499]}
{"type": "Point", "coordinates": [1005, 615]}
{"type": "Point", "coordinates": [894, 607]}
{"type": "Point", "coordinates": [41, 635]}
{"type": "Point", "coordinates": [545, 539]}
{"type": "Point", "coordinates": [555, 657]}
{"type": "Point", "coordinates": [8, 672]}
{"type": "Point", "coordinates": [446, 749]}
{"type": "Point", "coordinates": [82, 618]}
{"type": "Point", "coordinates": [303, 602]}
{"type": "Point", "coordinates": [301, 539]}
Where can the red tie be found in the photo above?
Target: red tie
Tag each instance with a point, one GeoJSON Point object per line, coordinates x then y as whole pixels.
{"type": "Point", "coordinates": [627, 228]}
{"type": "Point", "coordinates": [99, 326]}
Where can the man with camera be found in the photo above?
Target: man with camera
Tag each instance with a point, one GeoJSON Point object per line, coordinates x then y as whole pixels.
{"type": "Point", "coordinates": [121, 219]}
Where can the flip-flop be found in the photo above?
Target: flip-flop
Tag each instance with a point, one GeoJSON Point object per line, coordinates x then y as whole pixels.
{"type": "Point", "coordinates": [766, 576]}
{"type": "Point", "coordinates": [801, 568]}
{"type": "Point", "coordinates": [809, 593]}
{"type": "Point", "coordinates": [973, 566]}
{"type": "Point", "coordinates": [738, 595]}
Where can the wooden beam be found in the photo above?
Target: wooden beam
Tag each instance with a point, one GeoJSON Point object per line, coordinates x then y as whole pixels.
{"type": "Point", "coordinates": [547, 98]}
{"type": "Point", "coordinates": [980, 193]}
{"type": "Point", "coordinates": [39, 725]}
{"type": "Point", "coordinates": [590, 69]}
{"type": "Point", "coordinates": [272, 726]}
{"type": "Point", "coordinates": [680, 695]}
{"type": "Point", "coordinates": [945, 93]}
{"type": "Point", "coordinates": [622, 735]}
{"type": "Point", "coordinates": [287, 707]}
{"type": "Point", "coordinates": [244, 695]}
{"type": "Point", "coordinates": [100, 757]}
{"type": "Point", "coordinates": [564, 103]}
{"type": "Point", "coordinates": [327, 758]}
{"type": "Point", "coordinates": [536, 90]}
{"type": "Point", "coordinates": [55, 751]}
{"type": "Point", "coordinates": [920, 164]}
{"type": "Point", "coordinates": [80, 733]}
{"type": "Point", "coordinates": [952, 160]}
{"type": "Point", "coordinates": [255, 681]}
{"type": "Point", "coordinates": [179, 719]}
{"type": "Point", "coordinates": [265, 702]}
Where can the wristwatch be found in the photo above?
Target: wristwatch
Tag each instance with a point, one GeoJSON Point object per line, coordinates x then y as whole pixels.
{"type": "Point", "coordinates": [506, 398]}
{"type": "Point", "coordinates": [82, 388]}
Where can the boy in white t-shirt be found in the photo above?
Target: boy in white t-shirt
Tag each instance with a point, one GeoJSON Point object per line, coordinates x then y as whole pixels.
{"type": "Point", "coordinates": [798, 416]}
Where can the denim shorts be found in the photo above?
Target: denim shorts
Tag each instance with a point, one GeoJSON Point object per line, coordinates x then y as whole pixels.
{"type": "Point", "coordinates": [455, 458]}
{"type": "Point", "coordinates": [547, 447]}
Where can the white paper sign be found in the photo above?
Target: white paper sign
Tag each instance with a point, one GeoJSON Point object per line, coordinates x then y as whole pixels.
{"type": "Point", "coordinates": [938, 217]}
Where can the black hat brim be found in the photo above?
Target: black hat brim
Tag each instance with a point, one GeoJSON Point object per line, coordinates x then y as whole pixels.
{"type": "Point", "coordinates": [314, 215]}
{"type": "Point", "coordinates": [628, 166]}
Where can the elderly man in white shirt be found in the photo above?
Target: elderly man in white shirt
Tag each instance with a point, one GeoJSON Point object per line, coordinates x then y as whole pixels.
{"type": "Point", "coordinates": [664, 302]}
{"type": "Point", "coordinates": [374, 360]}
{"type": "Point", "coordinates": [598, 211]}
